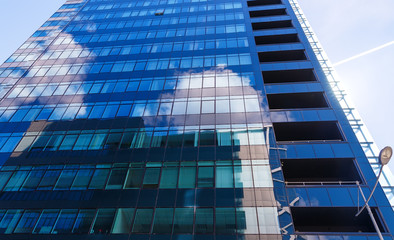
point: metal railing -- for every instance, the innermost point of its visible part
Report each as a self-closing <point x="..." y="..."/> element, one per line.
<point x="325" y="183"/>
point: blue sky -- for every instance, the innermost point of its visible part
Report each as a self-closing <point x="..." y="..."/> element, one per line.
<point x="344" y="28"/>
<point x="347" y="28"/>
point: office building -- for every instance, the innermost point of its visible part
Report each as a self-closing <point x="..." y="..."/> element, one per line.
<point x="181" y="120"/>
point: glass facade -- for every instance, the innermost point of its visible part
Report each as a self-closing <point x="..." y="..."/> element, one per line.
<point x="180" y="120"/>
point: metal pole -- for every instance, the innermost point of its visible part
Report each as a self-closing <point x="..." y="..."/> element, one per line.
<point x="373" y="190"/>
<point x="369" y="212"/>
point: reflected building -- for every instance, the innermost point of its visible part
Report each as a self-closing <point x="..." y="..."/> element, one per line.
<point x="180" y="120"/>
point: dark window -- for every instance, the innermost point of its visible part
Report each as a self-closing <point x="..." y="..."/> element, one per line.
<point x="307" y="131"/>
<point x="265" y="13"/>
<point x="319" y="170"/>
<point x="142" y="221"/>
<point x="163" y="220"/>
<point x="116" y="178"/>
<point x="283" y="76"/>
<point x="103" y="222"/>
<point x="207" y="138"/>
<point x="297" y="100"/>
<point x="293" y="55"/>
<point x="275" y="39"/>
<point x="83" y="222"/>
<point x="331" y="219"/>
<point x="65" y="221"/>
<point x="262" y="3"/>
<point x="270" y="25"/>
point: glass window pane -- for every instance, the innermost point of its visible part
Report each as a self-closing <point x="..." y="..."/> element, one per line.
<point x="83" y="142"/>
<point x="204" y="220"/>
<point x="113" y="141"/>
<point x="19" y="115"/>
<point x="49" y="180"/>
<point x="99" y="179"/>
<point x="256" y="137"/>
<point x="169" y="177"/>
<point x="223" y="137"/>
<point x="134" y="178"/>
<point x="128" y="140"/>
<point x="243" y="176"/>
<point x="208" y="107"/>
<point x="123" y="219"/>
<point x="193" y="107"/>
<point x="103" y="221"/>
<point x="159" y="139"/>
<point x="183" y="221"/>
<point x="225" y="220"/>
<point x="187" y="177"/>
<point x="10" y="144"/>
<point x="163" y="220"/>
<point x="240" y="137"/>
<point x="44" y="114"/>
<point x="224" y="177"/>
<point x="65" y="180"/>
<point x="46" y="221"/>
<point x="32" y="114"/>
<point x="16" y="181"/>
<point x="97" y="142"/>
<point x="207" y="138"/>
<point x="143" y="140"/>
<point x="82" y="179"/>
<point x="110" y="111"/>
<point x="27" y="222"/>
<point x="252" y="104"/>
<point x="54" y="142"/>
<point x="179" y="108"/>
<point x="84" y="221"/>
<point x="2" y="213"/>
<point x="68" y="142"/>
<point x="84" y="112"/>
<point x="32" y="180"/>
<point x="190" y="139"/>
<point x="174" y="139"/>
<point x="40" y="143"/>
<point x="116" y="178"/>
<point x="142" y="221"/>
<point x="124" y="110"/>
<point x="268" y="220"/>
<point x="151" y="179"/>
<point x="65" y="221"/>
<point x="247" y="221"/>
<point x="97" y="111"/>
<point x="9" y="221"/>
<point x="237" y="105"/>
<point x="222" y="106"/>
<point x="262" y="176"/>
<point x="4" y="176"/>
<point x="205" y="177"/>
<point x="24" y="144"/>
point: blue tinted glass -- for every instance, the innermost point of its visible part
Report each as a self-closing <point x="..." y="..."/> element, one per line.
<point x="9" y="221"/>
<point x="124" y="111"/>
<point x="46" y="221"/>
<point x="65" y="221"/>
<point x="97" y="112"/>
<point x="27" y="221"/>
<point x="319" y="197"/>
<point x="10" y="144"/>
<point x="84" y="221"/>
<point x="340" y="197"/>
